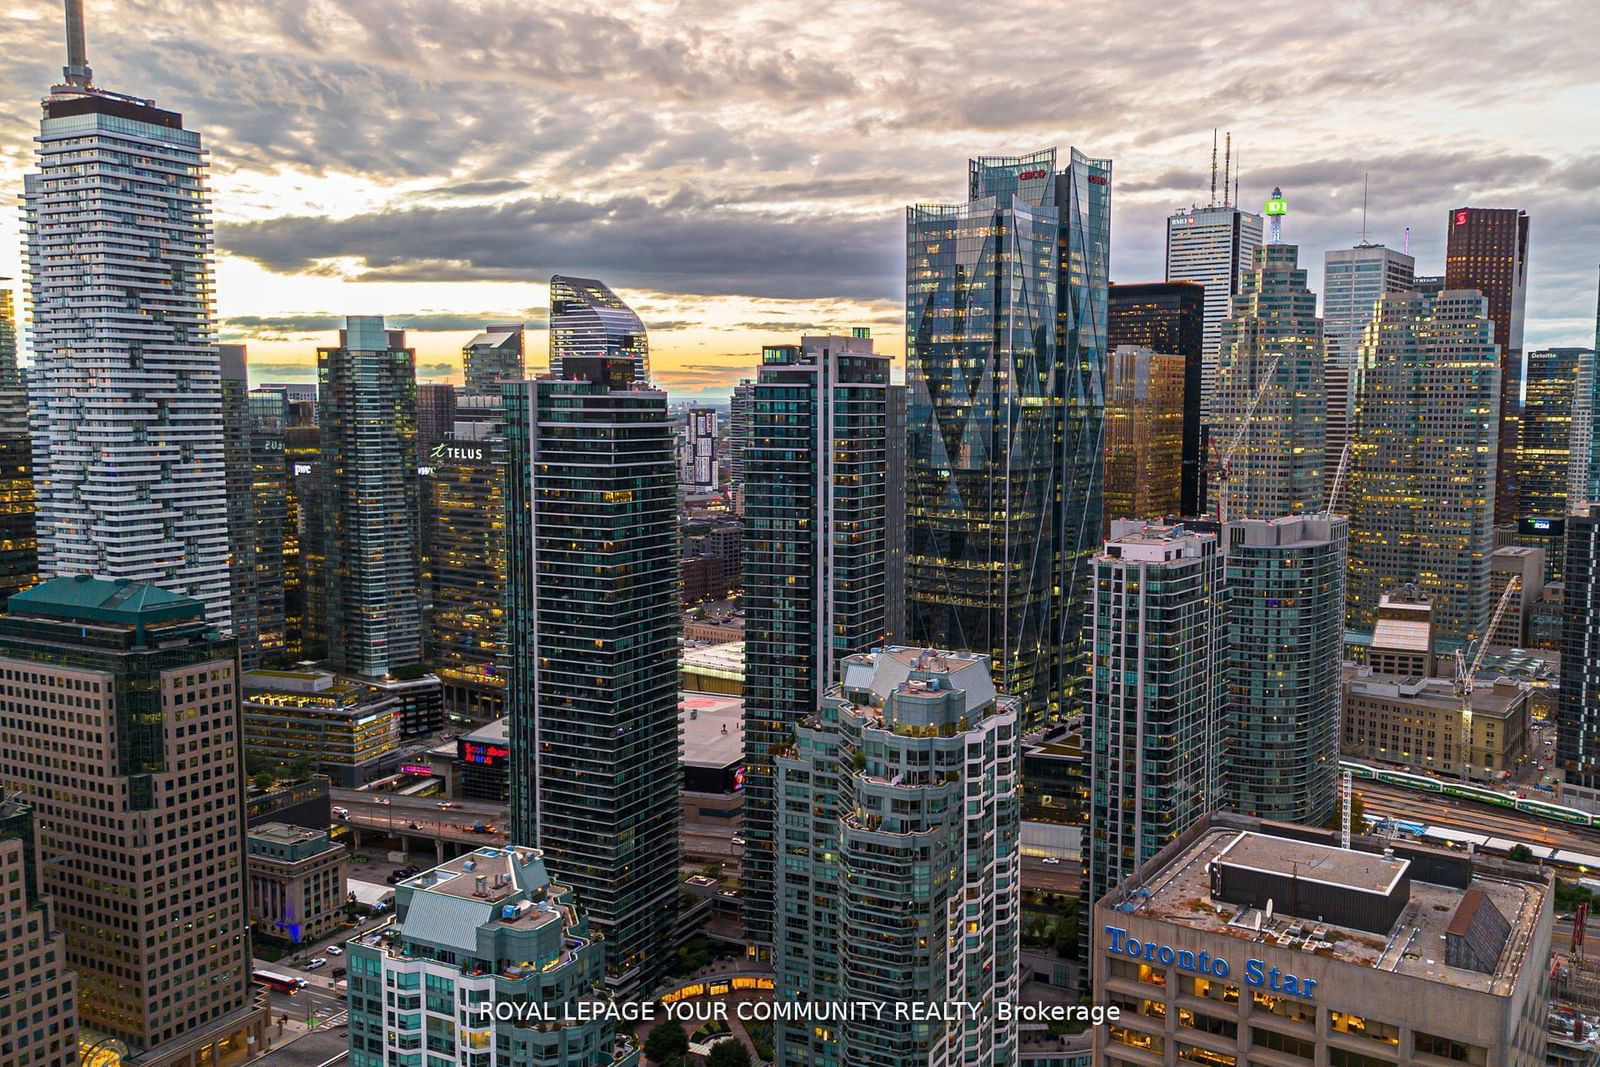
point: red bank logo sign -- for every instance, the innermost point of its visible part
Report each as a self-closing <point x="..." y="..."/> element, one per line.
<point x="1461" y="218"/>
<point x="1099" y="179"/>
<point x="1026" y="174"/>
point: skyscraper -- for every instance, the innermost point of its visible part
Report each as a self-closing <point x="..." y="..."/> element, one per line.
<point x="901" y="789"/>
<point x="1545" y="431"/>
<point x="589" y="320"/>
<point x="1156" y="695"/>
<point x="1005" y="338"/>
<point x="1583" y="480"/>
<point x="144" y="826"/>
<point x="739" y="408"/>
<point x="815" y="559"/>
<point x="1421" y="494"/>
<point x="279" y="593"/>
<point x="1487" y="250"/>
<point x="592" y="613"/>
<point x="1213" y="246"/>
<point x="1143" y="434"/>
<point x="1578" y="721"/>
<point x="493" y="356"/>
<point x="238" y="451"/>
<point x="41" y="1027"/>
<point x="19" y="557"/>
<point x="367" y="404"/>
<point x="465" y="547"/>
<point x="125" y="391"/>
<point x="1352" y="281"/>
<point x="436" y="416"/>
<point x="698" y="455"/>
<point x="1278" y="469"/>
<point x="1285" y="636"/>
<point x="894" y="582"/>
<point x="1169" y="318"/>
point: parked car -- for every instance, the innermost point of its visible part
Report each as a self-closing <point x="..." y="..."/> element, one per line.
<point x="335" y="950"/>
<point x="1050" y="860"/>
<point x="738" y="840"/>
<point x="316" y="961"/>
<point x="341" y="813"/>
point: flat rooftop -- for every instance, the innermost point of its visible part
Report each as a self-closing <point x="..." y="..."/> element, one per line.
<point x="284" y="834"/>
<point x="1366" y="871"/>
<point x="1180" y="895"/>
<point x="713" y="729"/>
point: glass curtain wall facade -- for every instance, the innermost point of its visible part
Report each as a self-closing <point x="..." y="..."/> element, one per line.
<point x="1278" y="468"/>
<point x="1285" y="635"/>
<point x="592" y="611"/>
<point x="1169" y="318"/>
<point x="815" y="557"/>
<point x="589" y="321"/>
<point x="276" y="514"/>
<point x="1005" y="330"/>
<point x="1143" y="435"/>
<point x="371" y="503"/>
<point x="1422" y="476"/>
<point x="493" y="356"/>
<point x="238" y="456"/>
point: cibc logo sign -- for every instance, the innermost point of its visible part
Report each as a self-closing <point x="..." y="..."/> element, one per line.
<point x="1027" y="174"/>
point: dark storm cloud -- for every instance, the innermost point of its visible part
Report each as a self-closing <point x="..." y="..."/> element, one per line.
<point x="627" y="241"/>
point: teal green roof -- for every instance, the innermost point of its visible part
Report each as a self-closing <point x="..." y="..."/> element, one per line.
<point x="84" y="599"/>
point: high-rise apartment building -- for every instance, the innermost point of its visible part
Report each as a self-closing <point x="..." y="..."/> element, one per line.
<point x="1583" y="480"/>
<point x="593" y="624"/>
<point x="901" y="791"/>
<point x="1005" y="341"/>
<point x="1214" y="247"/>
<point x="125" y="391"/>
<point x="39" y="1014"/>
<point x="1285" y="640"/>
<point x="740" y="404"/>
<point x="493" y="356"/>
<point x="894" y="582"/>
<point x="1578" y="721"/>
<point x="279" y="594"/>
<point x="238" y="453"/>
<point x="371" y="504"/>
<point x="1421" y="492"/>
<point x="1157" y="696"/>
<point x="1487" y="250"/>
<point x="465" y="564"/>
<point x="1143" y="435"/>
<point x="19" y="558"/>
<point x="472" y="938"/>
<point x="815" y="560"/>
<point x="305" y="608"/>
<point x="144" y="826"/>
<point x="697" y="457"/>
<point x="588" y="320"/>
<point x="1169" y="318"/>
<point x="1278" y="467"/>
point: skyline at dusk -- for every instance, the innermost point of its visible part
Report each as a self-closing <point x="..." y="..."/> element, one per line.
<point x="744" y="175"/>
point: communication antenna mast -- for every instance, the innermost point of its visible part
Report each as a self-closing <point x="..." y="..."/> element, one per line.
<point x="76" y="72"/>
<point x="1363" y="209"/>
<point x="1227" y="167"/>
<point x="1213" y="201"/>
<point x="1408" y="240"/>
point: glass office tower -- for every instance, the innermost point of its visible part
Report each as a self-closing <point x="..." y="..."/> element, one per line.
<point x="588" y="320"/>
<point x="1005" y="344"/>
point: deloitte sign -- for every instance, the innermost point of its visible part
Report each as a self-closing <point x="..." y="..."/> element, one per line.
<point x="1257" y="974"/>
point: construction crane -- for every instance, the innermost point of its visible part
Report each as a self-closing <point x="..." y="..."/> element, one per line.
<point x="1338" y="480"/>
<point x="1465" y="674"/>
<point x="1222" y="465"/>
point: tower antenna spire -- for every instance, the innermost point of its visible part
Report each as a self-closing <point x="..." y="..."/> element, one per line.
<point x="76" y="72"/>
<point x="1213" y="167"/>
<point x="1363" y="207"/>
<point x="1227" y="167"/>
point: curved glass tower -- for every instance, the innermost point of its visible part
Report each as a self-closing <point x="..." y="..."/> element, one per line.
<point x="588" y="320"/>
<point x="1005" y="346"/>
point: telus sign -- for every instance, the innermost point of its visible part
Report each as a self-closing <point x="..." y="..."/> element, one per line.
<point x="1257" y="974"/>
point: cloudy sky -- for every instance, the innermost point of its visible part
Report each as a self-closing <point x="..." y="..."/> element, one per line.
<point x="739" y="171"/>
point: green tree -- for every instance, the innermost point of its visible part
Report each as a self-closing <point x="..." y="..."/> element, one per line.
<point x="667" y="1043"/>
<point x="1520" y="853"/>
<point x="301" y="768"/>
<point x="263" y="781"/>
<point x="729" y="1053"/>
